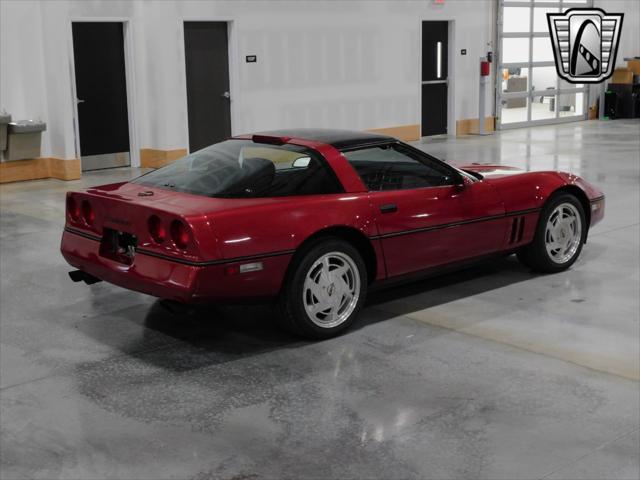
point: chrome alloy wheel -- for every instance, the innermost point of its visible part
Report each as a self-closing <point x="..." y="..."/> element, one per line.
<point x="331" y="289"/>
<point x="563" y="233"/>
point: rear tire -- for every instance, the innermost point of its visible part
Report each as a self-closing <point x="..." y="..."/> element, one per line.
<point x="324" y="291"/>
<point x="559" y="237"/>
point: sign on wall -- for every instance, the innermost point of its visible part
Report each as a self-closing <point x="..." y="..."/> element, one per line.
<point x="585" y="43"/>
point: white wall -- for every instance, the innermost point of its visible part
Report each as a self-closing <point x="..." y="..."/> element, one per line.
<point x="349" y="64"/>
<point x="22" y="68"/>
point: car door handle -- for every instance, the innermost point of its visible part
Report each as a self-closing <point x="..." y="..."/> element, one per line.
<point x="388" y="208"/>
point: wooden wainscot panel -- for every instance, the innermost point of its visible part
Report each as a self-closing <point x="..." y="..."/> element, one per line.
<point x="20" y="170"/>
<point x="39" y="168"/>
<point x="173" y="155"/>
<point x="65" y="169"/>
<point x="154" y="158"/>
<point x="470" y="125"/>
<point x="407" y="133"/>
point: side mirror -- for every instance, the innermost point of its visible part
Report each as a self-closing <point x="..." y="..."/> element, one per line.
<point x="456" y="180"/>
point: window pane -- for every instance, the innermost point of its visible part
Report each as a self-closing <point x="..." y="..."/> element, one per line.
<point x="565" y="84"/>
<point x="515" y="80"/>
<point x="242" y="168"/>
<point x="514" y="110"/>
<point x="515" y="50"/>
<point x="516" y="84"/>
<point x="516" y="19"/>
<point x="540" y="18"/>
<point x="571" y="104"/>
<point x="543" y="78"/>
<point x="543" y="107"/>
<point x="542" y="50"/>
<point x="390" y="168"/>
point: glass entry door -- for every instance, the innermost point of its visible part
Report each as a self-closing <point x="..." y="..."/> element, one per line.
<point x="529" y="91"/>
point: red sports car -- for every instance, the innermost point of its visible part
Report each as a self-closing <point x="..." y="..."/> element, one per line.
<point x="312" y="219"/>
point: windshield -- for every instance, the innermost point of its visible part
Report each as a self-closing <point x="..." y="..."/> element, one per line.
<point x="242" y="168"/>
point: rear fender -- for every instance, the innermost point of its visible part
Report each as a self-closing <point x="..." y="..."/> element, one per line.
<point x="281" y="225"/>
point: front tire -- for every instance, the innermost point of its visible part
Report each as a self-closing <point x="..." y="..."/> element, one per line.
<point x="324" y="291"/>
<point x="559" y="237"/>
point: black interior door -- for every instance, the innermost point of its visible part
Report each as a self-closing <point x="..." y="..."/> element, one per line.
<point x="207" y="66"/>
<point x="101" y="89"/>
<point x="435" y="60"/>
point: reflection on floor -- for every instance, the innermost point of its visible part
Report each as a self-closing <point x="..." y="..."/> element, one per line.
<point x="492" y="372"/>
<point x="541" y="111"/>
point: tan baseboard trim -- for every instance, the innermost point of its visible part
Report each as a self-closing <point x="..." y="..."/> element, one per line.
<point x="65" y="169"/>
<point x="470" y="125"/>
<point x="39" y="168"/>
<point x="153" y="158"/>
<point x="19" y="170"/>
<point x="407" y="133"/>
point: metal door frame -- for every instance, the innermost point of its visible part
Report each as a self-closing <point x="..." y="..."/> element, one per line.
<point x="129" y="71"/>
<point x="530" y="64"/>
<point x="232" y="47"/>
<point x="451" y="84"/>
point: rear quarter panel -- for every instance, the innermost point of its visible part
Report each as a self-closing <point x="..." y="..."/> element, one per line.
<point x="282" y="224"/>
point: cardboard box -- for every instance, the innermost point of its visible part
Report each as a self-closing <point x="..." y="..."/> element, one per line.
<point x="633" y="64"/>
<point x="622" y="75"/>
<point x="593" y="112"/>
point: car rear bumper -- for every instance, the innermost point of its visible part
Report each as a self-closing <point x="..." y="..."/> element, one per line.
<point x="172" y="280"/>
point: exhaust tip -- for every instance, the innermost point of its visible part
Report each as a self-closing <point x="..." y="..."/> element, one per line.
<point x="80" y="276"/>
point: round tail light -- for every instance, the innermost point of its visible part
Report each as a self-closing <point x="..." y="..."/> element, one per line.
<point x="88" y="213"/>
<point x="180" y="234"/>
<point x="156" y="229"/>
<point x="73" y="209"/>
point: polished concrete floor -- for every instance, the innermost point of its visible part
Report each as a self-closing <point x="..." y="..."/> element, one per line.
<point x="493" y="372"/>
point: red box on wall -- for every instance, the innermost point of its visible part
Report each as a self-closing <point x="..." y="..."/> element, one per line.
<point x="485" y="68"/>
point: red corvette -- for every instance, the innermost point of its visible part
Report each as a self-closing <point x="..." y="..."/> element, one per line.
<point x="312" y="219"/>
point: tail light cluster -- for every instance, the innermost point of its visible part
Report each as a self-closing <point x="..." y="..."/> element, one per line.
<point x="88" y="215"/>
<point x="80" y="212"/>
<point x="156" y="229"/>
<point x="73" y="209"/>
<point x="178" y="232"/>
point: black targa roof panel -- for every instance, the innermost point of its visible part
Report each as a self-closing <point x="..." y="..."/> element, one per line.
<point x="340" y="139"/>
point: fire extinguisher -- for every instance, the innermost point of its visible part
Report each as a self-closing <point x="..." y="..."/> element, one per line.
<point x="485" y="68"/>
<point x="485" y="65"/>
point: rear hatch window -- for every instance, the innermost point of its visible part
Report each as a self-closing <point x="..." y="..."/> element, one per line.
<point x="244" y="169"/>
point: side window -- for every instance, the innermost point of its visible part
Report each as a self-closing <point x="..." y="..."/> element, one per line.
<point x="301" y="174"/>
<point x="391" y="167"/>
<point x="244" y="169"/>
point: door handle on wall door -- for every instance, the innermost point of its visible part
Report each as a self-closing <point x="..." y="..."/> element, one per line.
<point x="79" y="101"/>
<point x="226" y="95"/>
